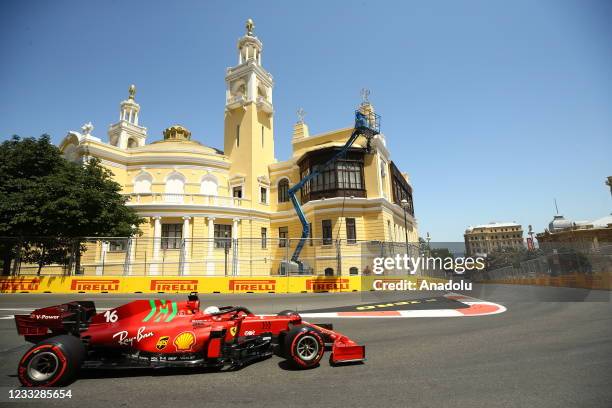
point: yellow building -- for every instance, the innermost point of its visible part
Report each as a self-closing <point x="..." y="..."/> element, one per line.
<point x="481" y="240"/>
<point x="213" y="212"/>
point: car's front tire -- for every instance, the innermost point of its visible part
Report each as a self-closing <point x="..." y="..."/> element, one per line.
<point x="304" y="347"/>
<point x="53" y="362"/>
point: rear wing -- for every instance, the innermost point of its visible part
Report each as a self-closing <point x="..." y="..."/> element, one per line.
<point x="72" y="317"/>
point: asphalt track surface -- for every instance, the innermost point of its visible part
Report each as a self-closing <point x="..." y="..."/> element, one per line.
<point x="552" y="347"/>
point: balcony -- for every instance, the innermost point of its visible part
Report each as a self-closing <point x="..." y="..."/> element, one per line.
<point x="264" y="105"/>
<point x="235" y="101"/>
<point x="185" y="199"/>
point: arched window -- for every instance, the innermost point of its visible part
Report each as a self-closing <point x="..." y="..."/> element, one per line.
<point x="353" y="271"/>
<point x="209" y="185"/>
<point x="175" y="188"/>
<point x="132" y="143"/>
<point x="283" y="191"/>
<point x="329" y="271"/>
<point x="142" y="183"/>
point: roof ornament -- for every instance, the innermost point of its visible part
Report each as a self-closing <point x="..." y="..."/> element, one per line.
<point x="87" y="128"/>
<point x="250" y="26"/>
<point x="300" y="114"/>
<point x="132" y="91"/>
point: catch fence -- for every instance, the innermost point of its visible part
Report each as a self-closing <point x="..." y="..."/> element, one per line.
<point x="175" y="256"/>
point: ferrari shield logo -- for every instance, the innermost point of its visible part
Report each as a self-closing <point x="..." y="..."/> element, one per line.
<point x="162" y="342"/>
<point x="233" y="331"/>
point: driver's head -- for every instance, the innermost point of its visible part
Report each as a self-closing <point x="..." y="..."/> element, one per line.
<point x="211" y="310"/>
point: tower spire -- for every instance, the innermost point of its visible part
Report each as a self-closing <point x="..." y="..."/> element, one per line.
<point x="127" y="133"/>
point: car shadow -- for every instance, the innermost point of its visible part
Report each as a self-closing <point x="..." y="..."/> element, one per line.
<point x="99" y="373"/>
<point x="287" y="366"/>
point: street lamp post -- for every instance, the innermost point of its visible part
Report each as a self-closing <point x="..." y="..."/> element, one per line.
<point x="609" y="183"/>
<point x="404" y="205"/>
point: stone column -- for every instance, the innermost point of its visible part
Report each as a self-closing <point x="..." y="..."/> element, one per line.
<point x="187" y="246"/>
<point x="210" y="263"/>
<point x="252" y="88"/>
<point x="235" y="248"/>
<point x="154" y="269"/>
<point x="130" y="255"/>
<point x="103" y="251"/>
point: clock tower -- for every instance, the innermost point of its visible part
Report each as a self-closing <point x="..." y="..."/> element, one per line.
<point x="249" y="130"/>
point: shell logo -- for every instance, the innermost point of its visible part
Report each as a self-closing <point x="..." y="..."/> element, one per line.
<point x="184" y="341"/>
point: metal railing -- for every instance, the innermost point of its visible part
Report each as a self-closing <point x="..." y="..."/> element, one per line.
<point x="196" y="199"/>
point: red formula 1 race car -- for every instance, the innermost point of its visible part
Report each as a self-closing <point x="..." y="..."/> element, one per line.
<point x="160" y="333"/>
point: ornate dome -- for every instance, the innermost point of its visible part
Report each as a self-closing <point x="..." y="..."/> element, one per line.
<point x="558" y="223"/>
<point x="177" y="132"/>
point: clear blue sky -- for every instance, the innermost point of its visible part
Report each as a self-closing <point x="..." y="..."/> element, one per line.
<point x="494" y="108"/>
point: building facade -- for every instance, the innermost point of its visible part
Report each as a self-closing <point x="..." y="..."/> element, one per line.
<point x="204" y="205"/>
<point x="580" y="235"/>
<point x="481" y="240"/>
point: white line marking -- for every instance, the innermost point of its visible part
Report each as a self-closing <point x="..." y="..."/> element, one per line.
<point x="380" y="313"/>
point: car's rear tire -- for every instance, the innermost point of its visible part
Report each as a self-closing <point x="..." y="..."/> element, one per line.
<point x="304" y="347"/>
<point x="53" y="362"/>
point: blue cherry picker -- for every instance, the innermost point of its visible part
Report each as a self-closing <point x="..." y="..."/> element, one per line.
<point x="367" y="124"/>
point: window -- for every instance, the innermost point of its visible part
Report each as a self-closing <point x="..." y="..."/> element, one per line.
<point x="283" y="234"/>
<point x="264" y="238"/>
<point x="117" y="245"/>
<point x="349" y="175"/>
<point x="172" y="235"/>
<point x="264" y="195"/>
<point x="237" y="135"/>
<point x="327" y="232"/>
<point x="142" y="183"/>
<point x="209" y="186"/>
<point x="223" y="235"/>
<point x="237" y="192"/>
<point x="344" y="177"/>
<point x="283" y="191"/>
<point x="351" y="231"/>
<point x="329" y="271"/>
<point x="353" y="271"/>
<point x="175" y="188"/>
<point x="401" y="189"/>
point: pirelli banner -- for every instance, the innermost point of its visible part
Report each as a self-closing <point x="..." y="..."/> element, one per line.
<point x="201" y="284"/>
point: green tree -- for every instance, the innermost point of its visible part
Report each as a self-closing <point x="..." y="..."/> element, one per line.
<point x="501" y="257"/>
<point x="47" y="202"/>
<point x="441" y="253"/>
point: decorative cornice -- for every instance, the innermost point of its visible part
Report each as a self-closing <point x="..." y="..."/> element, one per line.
<point x="247" y="67"/>
<point x="119" y="156"/>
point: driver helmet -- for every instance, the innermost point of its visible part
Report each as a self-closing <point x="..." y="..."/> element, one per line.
<point x="211" y="310"/>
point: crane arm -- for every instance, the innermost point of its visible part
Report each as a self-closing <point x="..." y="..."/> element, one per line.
<point x="367" y="125"/>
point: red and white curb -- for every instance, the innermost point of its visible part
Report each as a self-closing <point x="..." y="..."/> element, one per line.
<point x="477" y="307"/>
